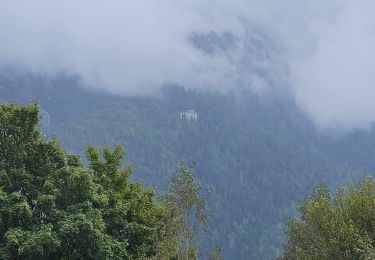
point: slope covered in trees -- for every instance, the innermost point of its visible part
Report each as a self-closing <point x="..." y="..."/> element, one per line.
<point x="54" y="207"/>
<point x="259" y="154"/>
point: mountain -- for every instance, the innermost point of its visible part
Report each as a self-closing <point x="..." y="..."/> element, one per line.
<point x="257" y="153"/>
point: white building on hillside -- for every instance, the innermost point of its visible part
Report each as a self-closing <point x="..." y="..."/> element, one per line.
<point x="189" y="115"/>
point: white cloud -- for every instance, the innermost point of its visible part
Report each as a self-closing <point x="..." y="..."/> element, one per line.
<point x="134" y="46"/>
<point x="124" y="46"/>
<point x="335" y="84"/>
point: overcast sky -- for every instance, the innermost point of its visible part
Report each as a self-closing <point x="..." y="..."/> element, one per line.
<point x="325" y="50"/>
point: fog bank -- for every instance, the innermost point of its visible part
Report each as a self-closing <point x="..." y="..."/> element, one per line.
<point x="324" y="51"/>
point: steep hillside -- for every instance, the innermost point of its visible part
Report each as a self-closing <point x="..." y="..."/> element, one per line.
<point x="258" y="154"/>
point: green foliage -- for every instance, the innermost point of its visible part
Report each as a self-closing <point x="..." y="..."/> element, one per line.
<point x="186" y="215"/>
<point x="53" y="207"/>
<point x="215" y="254"/>
<point x="334" y="226"/>
<point x="258" y="154"/>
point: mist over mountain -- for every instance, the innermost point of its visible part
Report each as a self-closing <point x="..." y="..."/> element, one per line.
<point x="282" y="91"/>
<point x="322" y="51"/>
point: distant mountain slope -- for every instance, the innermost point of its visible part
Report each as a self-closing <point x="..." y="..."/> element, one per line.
<point x="259" y="155"/>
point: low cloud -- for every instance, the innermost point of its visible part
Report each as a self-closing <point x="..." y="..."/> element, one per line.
<point x="324" y="50"/>
<point x="335" y="83"/>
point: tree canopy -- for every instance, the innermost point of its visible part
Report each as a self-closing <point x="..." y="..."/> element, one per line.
<point x="251" y="149"/>
<point x="338" y="225"/>
<point x="186" y="215"/>
<point x="54" y="207"/>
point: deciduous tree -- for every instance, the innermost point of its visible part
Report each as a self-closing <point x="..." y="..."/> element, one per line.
<point x="53" y="207"/>
<point x="338" y="225"/>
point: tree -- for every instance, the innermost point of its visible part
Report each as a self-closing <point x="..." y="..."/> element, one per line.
<point x="187" y="214"/>
<point x="53" y="207"/>
<point x="337" y="225"/>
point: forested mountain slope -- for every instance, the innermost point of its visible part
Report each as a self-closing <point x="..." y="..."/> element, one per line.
<point x="258" y="153"/>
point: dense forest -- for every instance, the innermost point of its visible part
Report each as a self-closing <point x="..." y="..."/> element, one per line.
<point x="258" y="153"/>
<point x="54" y="207"/>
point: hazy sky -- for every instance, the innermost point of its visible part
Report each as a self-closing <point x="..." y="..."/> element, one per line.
<point x="325" y="50"/>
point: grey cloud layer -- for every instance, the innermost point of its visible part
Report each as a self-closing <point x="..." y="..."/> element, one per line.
<point x="134" y="46"/>
<point x="336" y="83"/>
